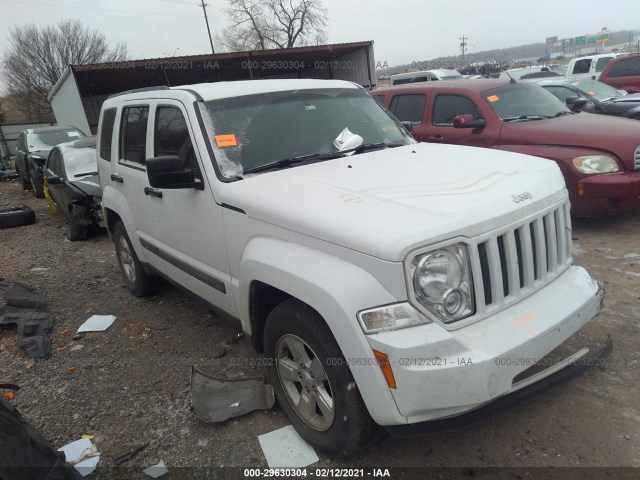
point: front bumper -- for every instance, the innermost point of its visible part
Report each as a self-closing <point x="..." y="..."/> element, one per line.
<point x="608" y="193"/>
<point x="523" y="391"/>
<point x="441" y="373"/>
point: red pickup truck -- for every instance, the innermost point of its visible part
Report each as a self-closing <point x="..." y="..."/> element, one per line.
<point x="623" y="73"/>
<point x="599" y="156"/>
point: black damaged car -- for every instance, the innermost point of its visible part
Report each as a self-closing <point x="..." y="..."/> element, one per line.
<point x="72" y="186"/>
<point x="32" y="148"/>
<point x="593" y="96"/>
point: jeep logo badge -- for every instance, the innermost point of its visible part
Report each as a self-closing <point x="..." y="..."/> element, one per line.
<point x="521" y="197"/>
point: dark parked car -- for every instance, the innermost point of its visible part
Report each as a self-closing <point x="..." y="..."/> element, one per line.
<point x="594" y="97"/>
<point x="33" y="147"/>
<point x="623" y="73"/>
<point x="72" y="185"/>
<point x="599" y="156"/>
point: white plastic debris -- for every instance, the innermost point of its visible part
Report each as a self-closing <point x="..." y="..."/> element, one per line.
<point x="234" y="405"/>
<point x="82" y="454"/>
<point x="156" y="470"/>
<point x="284" y="448"/>
<point x="97" y="323"/>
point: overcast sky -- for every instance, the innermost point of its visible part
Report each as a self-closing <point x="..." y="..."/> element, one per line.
<point x="403" y="31"/>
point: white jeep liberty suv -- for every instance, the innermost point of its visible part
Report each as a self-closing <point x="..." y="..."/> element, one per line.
<point x="392" y="284"/>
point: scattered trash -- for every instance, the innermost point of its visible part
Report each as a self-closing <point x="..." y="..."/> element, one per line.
<point x="27" y="310"/>
<point x="29" y="363"/>
<point x="71" y="369"/>
<point x="75" y="348"/>
<point x="126" y="454"/>
<point x="9" y="395"/>
<point x="97" y="323"/>
<point x="82" y="454"/>
<point x="39" y="269"/>
<point x="216" y="399"/>
<point x="64" y="332"/>
<point x="284" y="448"/>
<point x="156" y="470"/>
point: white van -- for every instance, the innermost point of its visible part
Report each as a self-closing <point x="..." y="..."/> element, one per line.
<point x="425" y="76"/>
<point x="589" y="67"/>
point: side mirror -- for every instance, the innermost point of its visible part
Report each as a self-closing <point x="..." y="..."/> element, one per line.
<point x="467" y="121"/>
<point x="408" y="126"/>
<point x="576" y="103"/>
<point x="168" y="172"/>
<point x="54" y="180"/>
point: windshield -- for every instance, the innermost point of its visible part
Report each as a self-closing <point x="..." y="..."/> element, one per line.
<point x="46" y="140"/>
<point x="256" y="130"/>
<point x="79" y="161"/>
<point x="524" y="102"/>
<point x="600" y="90"/>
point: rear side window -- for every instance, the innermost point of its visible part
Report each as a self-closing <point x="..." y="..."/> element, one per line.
<point x="582" y="66"/>
<point x="626" y="66"/>
<point x="134" y="134"/>
<point x="447" y="107"/>
<point x="171" y="137"/>
<point x="408" y="108"/>
<point x="106" y="133"/>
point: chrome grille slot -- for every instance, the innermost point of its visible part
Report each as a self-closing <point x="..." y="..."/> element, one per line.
<point x="519" y="261"/>
<point x="636" y="159"/>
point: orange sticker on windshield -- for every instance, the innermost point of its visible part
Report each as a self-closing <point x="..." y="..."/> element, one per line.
<point x="493" y="98"/>
<point x="226" y="141"/>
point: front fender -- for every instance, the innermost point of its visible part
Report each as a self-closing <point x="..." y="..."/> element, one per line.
<point x="337" y="290"/>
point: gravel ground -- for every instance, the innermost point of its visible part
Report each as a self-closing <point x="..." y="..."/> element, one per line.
<point x="129" y="385"/>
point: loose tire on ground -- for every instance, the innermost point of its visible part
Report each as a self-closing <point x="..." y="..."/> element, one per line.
<point x="137" y="280"/>
<point x="306" y="370"/>
<point x="16" y="216"/>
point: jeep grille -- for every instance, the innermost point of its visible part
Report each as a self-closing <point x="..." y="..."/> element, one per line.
<point x="514" y="263"/>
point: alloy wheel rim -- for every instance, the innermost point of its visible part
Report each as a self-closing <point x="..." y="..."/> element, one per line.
<point x="305" y="382"/>
<point x="126" y="260"/>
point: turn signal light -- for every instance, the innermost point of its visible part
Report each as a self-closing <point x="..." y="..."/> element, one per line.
<point x="385" y="366"/>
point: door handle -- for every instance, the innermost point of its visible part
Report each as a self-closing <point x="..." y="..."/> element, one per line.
<point x="152" y="192"/>
<point x="436" y="138"/>
<point x="117" y="178"/>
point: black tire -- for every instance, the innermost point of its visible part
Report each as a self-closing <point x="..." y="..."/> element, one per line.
<point x="16" y="217"/>
<point x="26" y="184"/>
<point x="344" y="425"/>
<point x="78" y="223"/>
<point x="137" y="280"/>
<point x="37" y="187"/>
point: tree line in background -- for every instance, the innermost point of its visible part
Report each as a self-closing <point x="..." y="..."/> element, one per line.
<point x="37" y="56"/>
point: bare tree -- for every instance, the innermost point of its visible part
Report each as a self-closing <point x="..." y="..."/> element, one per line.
<point x="264" y="24"/>
<point x="37" y="57"/>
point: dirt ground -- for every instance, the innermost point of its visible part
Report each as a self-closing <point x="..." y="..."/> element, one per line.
<point x="129" y="385"/>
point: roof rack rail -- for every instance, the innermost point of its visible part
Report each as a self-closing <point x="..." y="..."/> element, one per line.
<point x="136" y="90"/>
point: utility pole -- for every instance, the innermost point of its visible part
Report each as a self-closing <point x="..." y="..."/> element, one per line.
<point x="463" y="45"/>
<point x="204" y="9"/>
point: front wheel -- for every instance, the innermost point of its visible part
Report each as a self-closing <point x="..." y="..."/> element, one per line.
<point x="137" y="280"/>
<point x="37" y="186"/>
<point x="313" y="383"/>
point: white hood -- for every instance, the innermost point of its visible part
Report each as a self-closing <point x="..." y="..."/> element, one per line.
<point x="387" y="202"/>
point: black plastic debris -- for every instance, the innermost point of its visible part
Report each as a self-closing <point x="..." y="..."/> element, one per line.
<point x="27" y="310"/>
<point x="26" y="454"/>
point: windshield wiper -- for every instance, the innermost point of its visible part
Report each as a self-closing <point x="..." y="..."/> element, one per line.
<point x="285" y="162"/>
<point x="563" y="112"/>
<point x="85" y="174"/>
<point x="524" y="118"/>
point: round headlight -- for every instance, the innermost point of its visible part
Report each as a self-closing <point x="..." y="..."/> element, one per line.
<point x="442" y="282"/>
